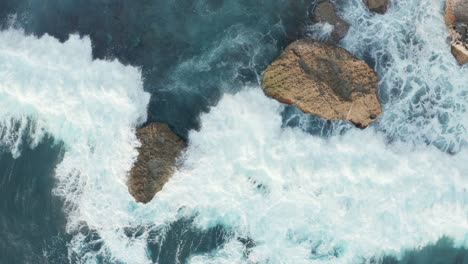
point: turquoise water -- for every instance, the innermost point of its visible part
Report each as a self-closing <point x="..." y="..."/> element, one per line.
<point x="185" y="33"/>
<point x="181" y="46"/>
<point x="261" y="182"/>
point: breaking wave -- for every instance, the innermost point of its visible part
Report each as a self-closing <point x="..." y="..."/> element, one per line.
<point x="294" y="197"/>
<point x="92" y="106"/>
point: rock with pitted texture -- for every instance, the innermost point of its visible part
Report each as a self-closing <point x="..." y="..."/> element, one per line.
<point x="456" y="11"/>
<point x="157" y="158"/>
<point x="377" y="6"/>
<point x="325" y="80"/>
<point x="456" y="19"/>
<point x="460" y="52"/>
<point x="325" y="12"/>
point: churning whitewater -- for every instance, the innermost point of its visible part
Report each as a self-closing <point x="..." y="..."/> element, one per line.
<point x="300" y="198"/>
<point x="92" y="106"/>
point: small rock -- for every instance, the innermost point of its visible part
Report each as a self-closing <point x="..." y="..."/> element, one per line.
<point x="325" y="12"/>
<point x="377" y="6"/>
<point x="456" y="19"/>
<point x="325" y="80"/>
<point x="460" y="52"/>
<point x="156" y="161"/>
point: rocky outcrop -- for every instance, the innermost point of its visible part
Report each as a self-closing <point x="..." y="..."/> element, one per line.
<point x="456" y="11"/>
<point x="377" y="6"/>
<point x="456" y="19"/>
<point x="325" y="80"/>
<point x="460" y="52"/>
<point x="325" y="12"/>
<point x="156" y="161"/>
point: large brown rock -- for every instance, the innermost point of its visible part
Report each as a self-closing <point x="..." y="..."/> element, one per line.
<point x="156" y="161"/>
<point x="456" y="11"/>
<point x="456" y="19"/>
<point x="325" y="12"/>
<point x="325" y="80"/>
<point x="377" y="6"/>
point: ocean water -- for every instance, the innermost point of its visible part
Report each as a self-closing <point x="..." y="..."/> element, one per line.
<point x="189" y="52"/>
<point x="31" y="218"/>
<point x="260" y="182"/>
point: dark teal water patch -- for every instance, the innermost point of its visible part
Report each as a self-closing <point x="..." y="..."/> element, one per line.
<point x="190" y="51"/>
<point x="174" y="243"/>
<point x="442" y="252"/>
<point x="6" y="8"/>
<point x="31" y="217"/>
<point x="181" y="239"/>
<point x="92" y="244"/>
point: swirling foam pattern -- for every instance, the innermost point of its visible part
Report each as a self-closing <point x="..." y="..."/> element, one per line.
<point x="299" y="198"/>
<point x="92" y="106"/>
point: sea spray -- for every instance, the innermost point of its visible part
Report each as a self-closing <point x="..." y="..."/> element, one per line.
<point x="304" y="199"/>
<point x="190" y="52"/>
<point x="423" y="89"/>
<point x="92" y="106"/>
<point x="299" y="198"/>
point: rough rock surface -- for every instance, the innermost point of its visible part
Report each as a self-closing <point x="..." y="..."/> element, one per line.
<point x="456" y="19"/>
<point x="325" y="80"/>
<point x="377" y="6"/>
<point x="325" y="12"/>
<point x="456" y="11"/>
<point x="156" y="161"/>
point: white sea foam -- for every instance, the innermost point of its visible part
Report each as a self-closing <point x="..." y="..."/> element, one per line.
<point x="320" y="31"/>
<point x="92" y="106"/>
<point x="300" y="198"/>
<point x="423" y="88"/>
<point x="344" y="199"/>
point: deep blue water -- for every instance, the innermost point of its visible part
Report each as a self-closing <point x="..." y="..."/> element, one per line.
<point x="173" y="42"/>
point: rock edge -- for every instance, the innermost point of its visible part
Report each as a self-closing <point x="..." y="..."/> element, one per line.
<point x="156" y="162"/>
<point x="325" y="80"/>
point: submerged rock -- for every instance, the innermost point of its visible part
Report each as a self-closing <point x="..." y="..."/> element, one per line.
<point x="377" y="6"/>
<point x="456" y="19"/>
<point x="156" y="161"/>
<point x="325" y="80"/>
<point x="325" y="12"/>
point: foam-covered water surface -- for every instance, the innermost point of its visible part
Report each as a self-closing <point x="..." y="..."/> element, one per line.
<point x="190" y="52"/>
<point x="304" y="199"/>
<point x="259" y="182"/>
<point x="422" y="86"/>
<point x="92" y="106"/>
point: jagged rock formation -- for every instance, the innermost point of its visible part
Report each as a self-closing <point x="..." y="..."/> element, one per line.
<point x="456" y="19"/>
<point x="325" y="12"/>
<point x="156" y="161"/>
<point x="377" y="6"/>
<point x="325" y="80"/>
